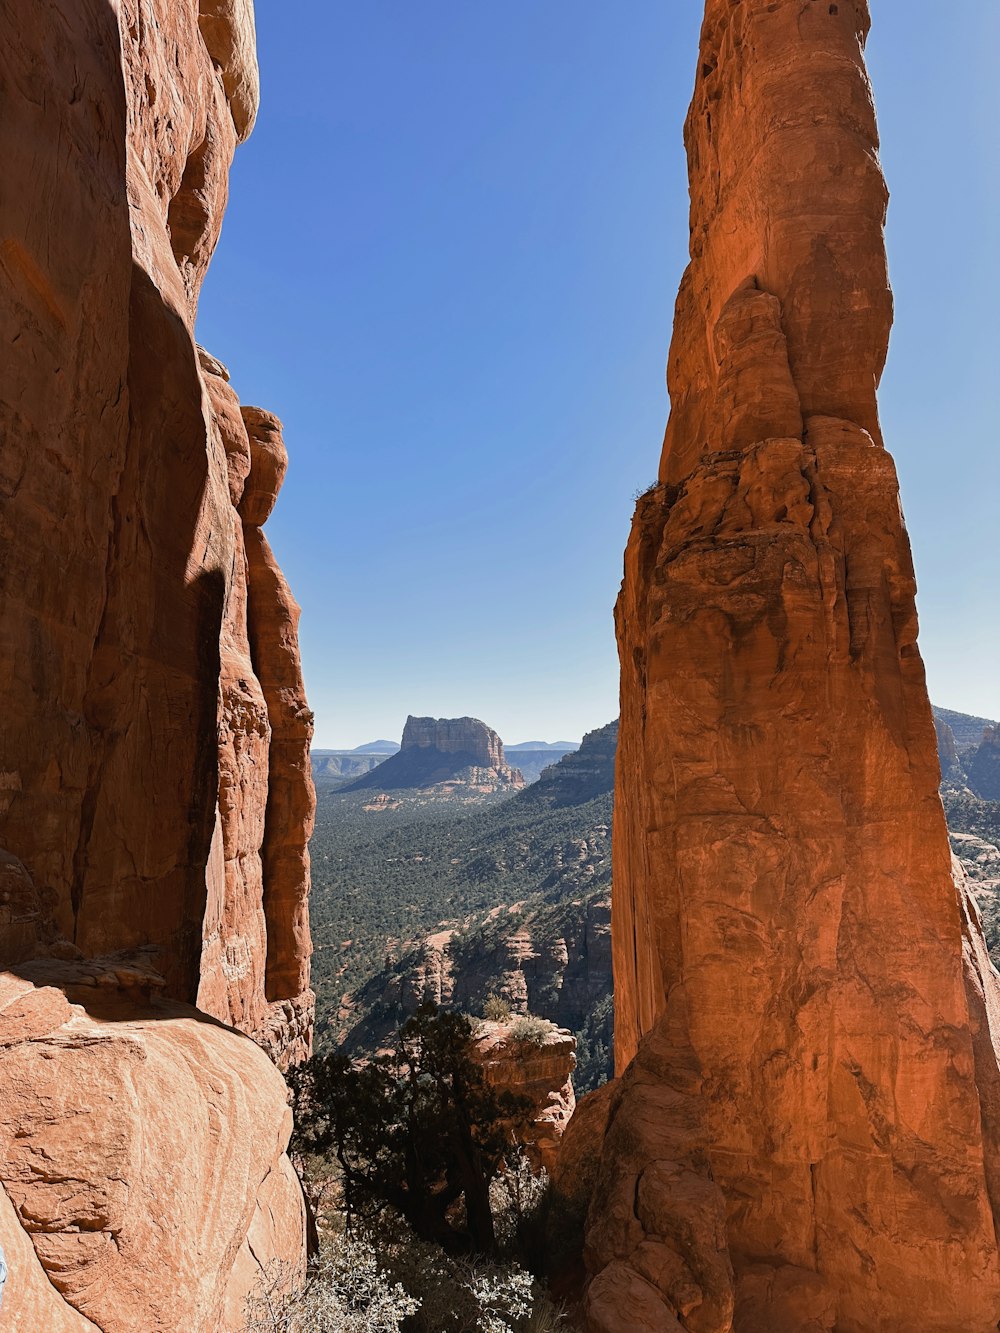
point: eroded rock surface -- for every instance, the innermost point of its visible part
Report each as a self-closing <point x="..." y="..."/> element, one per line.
<point x="144" y="1157"/>
<point x="803" y="1135"/>
<point x="152" y="725"/>
<point x="540" y="1070"/>
<point x="455" y="735"/>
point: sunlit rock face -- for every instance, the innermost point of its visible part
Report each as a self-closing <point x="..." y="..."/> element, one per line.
<point x="154" y="784"/>
<point x="803" y="1135"/>
<point x="540" y="1072"/>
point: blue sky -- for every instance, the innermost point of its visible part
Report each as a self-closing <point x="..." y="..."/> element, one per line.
<point x="449" y="264"/>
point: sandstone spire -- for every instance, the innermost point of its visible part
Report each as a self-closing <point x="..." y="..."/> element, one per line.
<point x="804" y="1132"/>
<point x="155" y="795"/>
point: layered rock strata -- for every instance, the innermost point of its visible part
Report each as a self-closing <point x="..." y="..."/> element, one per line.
<point x="154" y="785"/>
<point x="539" y="1070"/>
<point x="458" y="755"/>
<point x="455" y="735"/>
<point x="804" y="1135"/>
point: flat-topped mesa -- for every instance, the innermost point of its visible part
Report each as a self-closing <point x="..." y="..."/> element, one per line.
<point x="154" y="779"/>
<point x="457" y="756"/>
<point x="804" y="1133"/>
<point x="455" y="735"/>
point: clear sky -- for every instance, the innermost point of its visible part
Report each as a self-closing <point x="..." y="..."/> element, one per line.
<point x="449" y="264"/>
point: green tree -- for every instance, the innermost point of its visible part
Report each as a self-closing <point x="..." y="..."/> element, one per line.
<point x="418" y="1130"/>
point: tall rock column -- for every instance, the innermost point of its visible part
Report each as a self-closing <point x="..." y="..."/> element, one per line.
<point x="143" y="1175"/>
<point x="803" y="1134"/>
<point x="272" y="621"/>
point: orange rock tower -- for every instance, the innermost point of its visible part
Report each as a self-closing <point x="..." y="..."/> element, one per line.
<point x="155" y="794"/>
<point x="804" y="1133"/>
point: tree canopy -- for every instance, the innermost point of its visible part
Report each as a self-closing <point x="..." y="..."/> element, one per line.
<point x="417" y="1129"/>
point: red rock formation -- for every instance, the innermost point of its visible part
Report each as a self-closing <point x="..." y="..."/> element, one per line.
<point x="152" y="698"/>
<point x="273" y="619"/>
<point x="255" y="956"/>
<point x="804" y="1135"/>
<point x="540" y="1071"/>
<point x="235" y="941"/>
<point x="145" y="1175"/>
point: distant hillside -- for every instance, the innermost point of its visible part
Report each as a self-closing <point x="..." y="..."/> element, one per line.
<point x="335" y="767"/>
<point x="580" y="775"/>
<point x="377" y="747"/>
<point x="532" y="762"/>
<point x="966" y="728"/>
<point x="385" y="878"/>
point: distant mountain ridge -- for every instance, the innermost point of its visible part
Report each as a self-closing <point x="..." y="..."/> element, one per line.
<point x="564" y="746"/>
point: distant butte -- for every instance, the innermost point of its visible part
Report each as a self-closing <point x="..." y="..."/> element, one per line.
<point x="459" y="754"/>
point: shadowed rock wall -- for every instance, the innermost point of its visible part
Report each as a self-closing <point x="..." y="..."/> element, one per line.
<point x="155" y="799"/>
<point x="804" y="1133"/>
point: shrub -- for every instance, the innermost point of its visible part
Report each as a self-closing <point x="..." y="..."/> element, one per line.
<point x="518" y="1197"/>
<point x="390" y="1282"/>
<point x="496" y="1009"/>
<point x="460" y="1293"/>
<point x="531" y="1029"/>
<point x="346" y="1291"/>
<point x="640" y="491"/>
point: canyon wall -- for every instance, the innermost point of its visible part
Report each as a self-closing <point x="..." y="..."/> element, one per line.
<point x="155" y="794"/>
<point x="804" y="1133"/>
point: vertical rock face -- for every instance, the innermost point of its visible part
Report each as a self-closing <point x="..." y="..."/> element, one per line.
<point x="256" y="945"/>
<point x="539" y="1070"/>
<point x="804" y="1133"/>
<point x="273" y="619"/>
<point x="154" y="785"/>
<point x="455" y="735"/>
<point x="984" y="766"/>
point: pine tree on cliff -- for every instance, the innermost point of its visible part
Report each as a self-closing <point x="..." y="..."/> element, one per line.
<point x="415" y="1130"/>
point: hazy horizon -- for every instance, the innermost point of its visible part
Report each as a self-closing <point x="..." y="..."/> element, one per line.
<point x="449" y="264"/>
